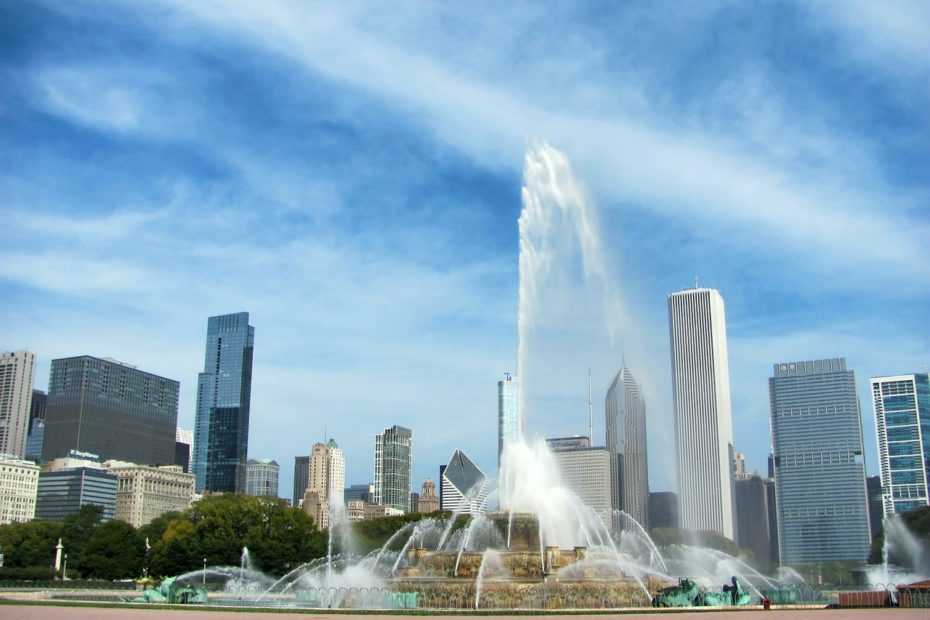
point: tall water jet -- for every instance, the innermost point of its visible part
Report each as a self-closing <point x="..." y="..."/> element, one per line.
<point x="553" y="202"/>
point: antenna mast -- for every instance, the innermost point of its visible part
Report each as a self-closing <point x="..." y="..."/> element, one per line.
<point x="590" y="411"/>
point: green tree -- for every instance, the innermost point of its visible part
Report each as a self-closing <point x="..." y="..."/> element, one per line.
<point x="78" y="527"/>
<point x="668" y="536"/>
<point x="30" y="544"/>
<point x="115" y="551"/>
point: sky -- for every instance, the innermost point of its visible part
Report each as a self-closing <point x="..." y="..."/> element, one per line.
<point x="350" y="174"/>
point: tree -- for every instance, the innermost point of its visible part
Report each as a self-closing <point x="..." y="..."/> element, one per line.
<point x="115" y="551"/>
<point x="78" y="527"/>
<point x="30" y="544"/>
<point x="668" y="536"/>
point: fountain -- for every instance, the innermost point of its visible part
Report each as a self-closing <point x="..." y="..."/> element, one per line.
<point x="543" y="548"/>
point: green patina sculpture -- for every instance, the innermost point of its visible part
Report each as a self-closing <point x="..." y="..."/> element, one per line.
<point x="687" y="594"/>
<point x="171" y="591"/>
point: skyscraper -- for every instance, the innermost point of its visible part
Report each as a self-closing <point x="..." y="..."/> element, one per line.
<point x="185" y="436"/>
<point x="752" y="518"/>
<point x="703" y="426"/>
<point x="819" y="471"/>
<point x="301" y="476"/>
<point x="902" y="423"/>
<point x="393" y="468"/>
<point x="262" y="477"/>
<point x="224" y="391"/>
<point x="464" y="486"/>
<point x="585" y="471"/>
<point x="325" y="482"/>
<point x="625" y="413"/>
<point x="111" y="409"/>
<point x="17" y="370"/>
<point x="508" y="413"/>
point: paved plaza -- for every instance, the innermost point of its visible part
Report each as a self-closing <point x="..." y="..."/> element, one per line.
<point x="36" y="612"/>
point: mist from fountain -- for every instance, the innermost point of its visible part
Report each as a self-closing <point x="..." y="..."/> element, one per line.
<point x="905" y="558"/>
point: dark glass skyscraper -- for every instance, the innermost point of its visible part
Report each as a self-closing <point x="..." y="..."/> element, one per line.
<point x="111" y="409"/>
<point x="224" y="388"/>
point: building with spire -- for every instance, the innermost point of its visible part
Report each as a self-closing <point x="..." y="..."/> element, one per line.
<point x="464" y="486"/>
<point x="625" y="412"/>
<point x="429" y="502"/>
<point x="703" y="424"/>
<point x="224" y="394"/>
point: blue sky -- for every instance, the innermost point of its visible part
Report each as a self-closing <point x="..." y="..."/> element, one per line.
<point x="350" y="174"/>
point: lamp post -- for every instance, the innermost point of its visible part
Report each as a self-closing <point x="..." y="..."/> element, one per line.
<point x="64" y="570"/>
<point x="205" y="571"/>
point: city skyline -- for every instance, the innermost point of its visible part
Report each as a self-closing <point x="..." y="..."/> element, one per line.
<point x="163" y="165"/>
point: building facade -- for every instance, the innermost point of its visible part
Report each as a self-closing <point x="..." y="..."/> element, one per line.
<point x="663" y="509"/>
<point x="902" y="424"/>
<point x="262" y="477"/>
<point x="393" y="468"/>
<point x="62" y="492"/>
<point x="301" y="477"/>
<point x="464" y="486"/>
<point x="144" y="493"/>
<point x="17" y="376"/>
<point x="224" y="393"/>
<point x="19" y="484"/>
<point x="585" y="471"/>
<point x="111" y="409"/>
<point x="703" y="424"/>
<point x="752" y="518"/>
<point x="509" y="424"/>
<point x="185" y="436"/>
<point x="820" y="489"/>
<point x="625" y="413"/>
<point x="326" y="481"/>
<point x="429" y="501"/>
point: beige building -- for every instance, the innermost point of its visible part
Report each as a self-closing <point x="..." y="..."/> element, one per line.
<point x="19" y="484"/>
<point x="143" y="493"/>
<point x="429" y="502"/>
<point x="17" y="370"/>
<point x="325" y="483"/>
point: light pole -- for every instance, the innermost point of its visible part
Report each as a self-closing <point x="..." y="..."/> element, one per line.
<point x="64" y="570"/>
<point x="205" y="571"/>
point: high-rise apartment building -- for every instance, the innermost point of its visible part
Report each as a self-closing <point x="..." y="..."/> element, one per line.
<point x="509" y="425"/>
<point x="110" y="409"/>
<point x="585" y="471"/>
<point x="224" y="392"/>
<point x="262" y="477"/>
<point x="326" y="481"/>
<point x="17" y="375"/>
<point x="902" y="423"/>
<point x="301" y="476"/>
<point x="393" y="468"/>
<point x="464" y="486"/>
<point x="19" y="483"/>
<point x="144" y="493"/>
<point x="823" y="512"/>
<point x="625" y="412"/>
<point x="703" y="425"/>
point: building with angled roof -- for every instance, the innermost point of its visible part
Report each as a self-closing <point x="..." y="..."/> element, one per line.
<point x="464" y="486"/>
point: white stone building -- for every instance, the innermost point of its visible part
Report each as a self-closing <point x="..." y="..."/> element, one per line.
<point x="19" y="483"/>
<point x="143" y="492"/>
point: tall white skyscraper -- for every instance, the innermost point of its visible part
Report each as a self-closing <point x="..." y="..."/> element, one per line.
<point x="17" y="374"/>
<point x="625" y="412"/>
<point x="703" y="424"/>
<point x="508" y="413"/>
<point x="902" y="420"/>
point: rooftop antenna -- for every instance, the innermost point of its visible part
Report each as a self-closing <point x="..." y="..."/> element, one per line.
<point x="590" y="411"/>
<point x="697" y="284"/>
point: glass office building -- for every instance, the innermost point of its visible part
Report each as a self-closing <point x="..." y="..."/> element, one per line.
<point x="111" y="409"/>
<point x="625" y="413"/>
<point x="63" y="492"/>
<point x="393" y="468"/>
<point x="224" y="389"/>
<point x="902" y="423"/>
<point x="823" y="512"/>
<point x="508" y="413"/>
